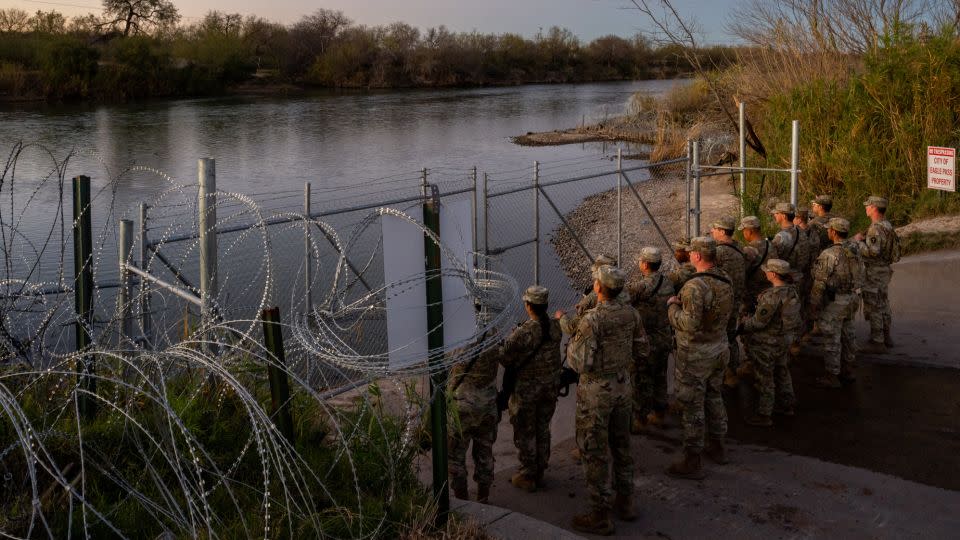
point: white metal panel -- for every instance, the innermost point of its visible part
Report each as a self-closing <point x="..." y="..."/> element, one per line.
<point x="456" y="234"/>
<point x="403" y="258"/>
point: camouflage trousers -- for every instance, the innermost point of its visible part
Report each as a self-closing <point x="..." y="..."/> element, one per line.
<point x="530" y="413"/>
<point x="770" y="364"/>
<point x="699" y="377"/>
<point x="876" y="302"/>
<point x="651" y="379"/>
<point x="477" y="426"/>
<point x="733" y="346"/>
<point x="604" y="406"/>
<point x="835" y="333"/>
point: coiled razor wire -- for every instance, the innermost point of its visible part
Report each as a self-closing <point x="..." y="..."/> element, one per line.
<point x="152" y="462"/>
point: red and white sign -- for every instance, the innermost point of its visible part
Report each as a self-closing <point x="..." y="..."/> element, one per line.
<point x="941" y="168"/>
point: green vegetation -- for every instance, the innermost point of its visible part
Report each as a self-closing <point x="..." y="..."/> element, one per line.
<point x="45" y="56"/>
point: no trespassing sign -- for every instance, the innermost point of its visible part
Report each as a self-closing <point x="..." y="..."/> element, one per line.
<point x="941" y="168"/>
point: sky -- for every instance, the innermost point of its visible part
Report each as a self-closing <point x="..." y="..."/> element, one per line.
<point x="587" y="19"/>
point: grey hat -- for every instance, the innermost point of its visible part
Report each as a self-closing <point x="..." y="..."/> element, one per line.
<point x="749" y="222"/>
<point x="601" y="260"/>
<point x="536" y="294"/>
<point x="877" y="201"/>
<point x="681" y="245"/>
<point x="839" y="224"/>
<point x="726" y="222"/>
<point x="823" y="200"/>
<point x="783" y="208"/>
<point x="651" y="255"/>
<point x="611" y="277"/>
<point x="803" y="210"/>
<point x="703" y="244"/>
<point x="777" y="266"/>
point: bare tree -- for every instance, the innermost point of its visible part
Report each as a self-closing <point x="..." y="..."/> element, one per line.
<point x="14" y="20"/>
<point x="136" y="16"/>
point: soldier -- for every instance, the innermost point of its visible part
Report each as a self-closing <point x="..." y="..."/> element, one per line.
<point x="731" y="259"/>
<point x="758" y="250"/>
<point x="788" y="244"/>
<point x="609" y="341"/>
<point x="473" y="388"/>
<point x="833" y="303"/>
<point x="569" y="323"/>
<point x="683" y="270"/>
<point x="649" y="297"/>
<point x="812" y="238"/>
<point x="880" y="248"/>
<point x="768" y="333"/>
<point x="820" y="208"/>
<point x="699" y="317"/>
<point x="533" y="352"/>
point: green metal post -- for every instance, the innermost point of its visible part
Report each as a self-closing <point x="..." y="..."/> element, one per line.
<point x="279" y="379"/>
<point x="438" y="380"/>
<point x="83" y="291"/>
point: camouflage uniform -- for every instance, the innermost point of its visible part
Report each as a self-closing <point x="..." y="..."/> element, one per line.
<point x="812" y="239"/>
<point x="608" y="341"/>
<point x="819" y="225"/>
<point x="681" y="274"/>
<point x="767" y="337"/>
<point x="758" y="252"/>
<point x="535" y="398"/>
<point x="731" y="259"/>
<point x="474" y="397"/>
<point x="789" y="245"/>
<point x="835" y="300"/>
<point x="702" y="350"/>
<point x="650" y="299"/>
<point x="570" y="323"/>
<point x="879" y="249"/>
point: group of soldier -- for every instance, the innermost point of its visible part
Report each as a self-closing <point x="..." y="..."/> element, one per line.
<point x="725" y="310"/>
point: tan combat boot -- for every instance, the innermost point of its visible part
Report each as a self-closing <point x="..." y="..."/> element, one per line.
<point x="689" y="467"/>
<point x="575" y="454"/>
<point x="459" y="487"/>
<point x="594" y="522"/>
<point x="483" y="493"/>
<point x="623" y="508"/>
<point x="524" y="482"/>
<point x="715" y="450"/>
<point x="730" y="378"/>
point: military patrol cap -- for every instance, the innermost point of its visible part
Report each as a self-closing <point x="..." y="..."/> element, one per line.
<point x="749" y="222"/>
<point x="536" y="294"/>
<point x="783" y="208"/>
<point x="611" y="277"/>
<point x="839" y="224"/>
<point x="601" y="260"/>
<point x="823" y="200"/>
<point x="703" y="244"/>
<point x="874" y="200"/>
<point x="803" y="210"/>
<point x="651" y="255"/>
<point x="727" y="223"/>
<point x="681" y="245"/>
<point x="777" y="266"/>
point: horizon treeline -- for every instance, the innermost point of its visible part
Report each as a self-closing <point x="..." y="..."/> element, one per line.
<point x="47" y="56"/>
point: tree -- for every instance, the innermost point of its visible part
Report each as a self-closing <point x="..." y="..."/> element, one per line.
<point x="135" y="16"/>
<point x="14" y="20"/>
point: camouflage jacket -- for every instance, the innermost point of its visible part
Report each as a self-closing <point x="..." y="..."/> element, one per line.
<point x="609" y="341"/>
<point x="732" y="260"/>
<point x="706" y="305"/>
<point x="569" y="323"/>
<point x="538" y="370"/>
<point x="812" y="239"/>
<point x="777" y="318"/>
<point x="757" y="252"/>
<point x="820" y="224"/>
<point x="476" y="387"/>
<point x="880" y="246"/>
<point x="789" y="245"/>
<point x="649" y="297"/>
<point x="834" y="272"/>
<point x="681" y="274"/>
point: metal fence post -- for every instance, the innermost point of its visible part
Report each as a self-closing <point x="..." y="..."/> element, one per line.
<point x="438" y="378"/>
<point x="207" y="206"/>
<point x="475" y="217"/>
<point x="536" y="222"/>
<point x="620" y="206"/>
<point x="83" y="292"/>
<point x="486" y="221"/>
<point x="277" y="373"/>
<point x="124" y="294"/>
<point x="689" y="181"/>
<point x="307" y="251"/>
<point x="696" y="189"/>
<point x="145" y="322"/>
<point x="743" y="158"/>
<point x="794" y="162"/>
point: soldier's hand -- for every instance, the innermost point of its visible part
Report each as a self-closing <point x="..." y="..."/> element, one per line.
<point x="858" y="237"/>
<point x="674" y="300"/>
<point x="559" y="314"/>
